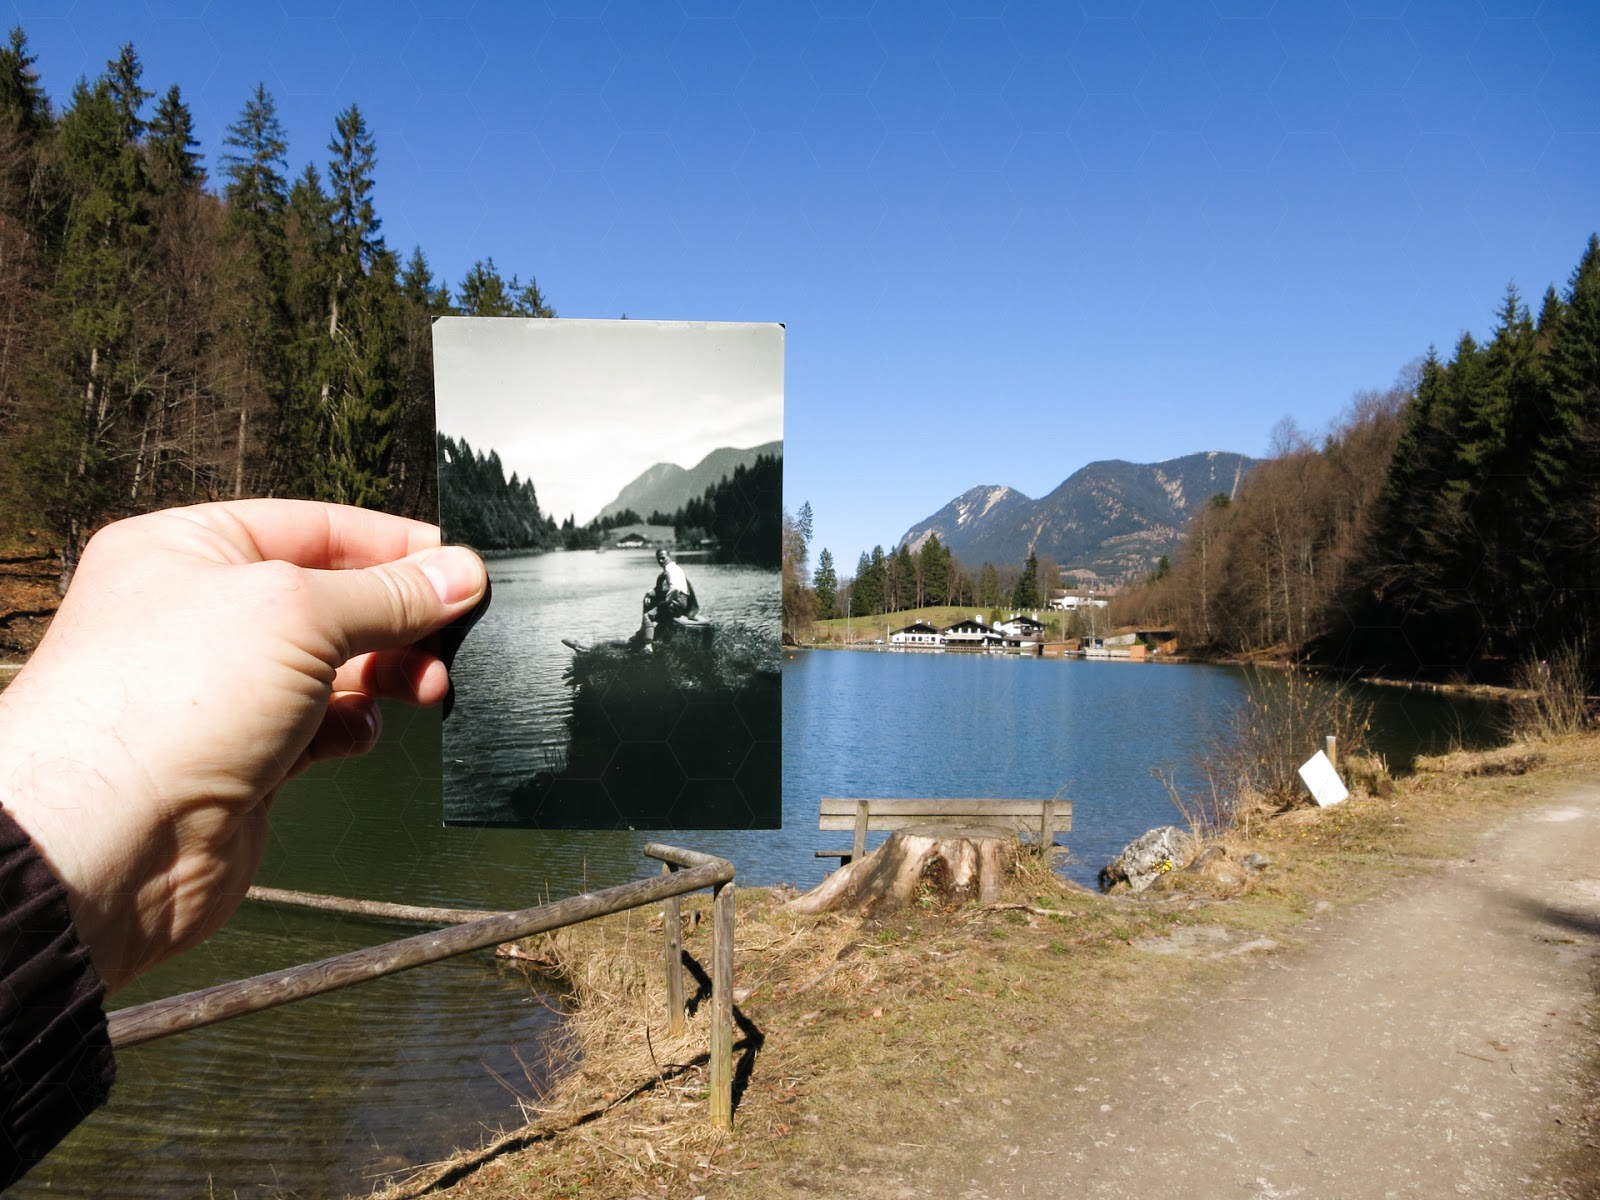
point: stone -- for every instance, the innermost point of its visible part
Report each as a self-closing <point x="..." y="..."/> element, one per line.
<point x="1147" y="858"/>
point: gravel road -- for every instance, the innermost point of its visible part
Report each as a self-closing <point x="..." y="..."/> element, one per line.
<point x="1436" y="1041"/>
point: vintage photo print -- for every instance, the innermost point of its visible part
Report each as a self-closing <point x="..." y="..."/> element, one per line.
<point x="624" y="480"/>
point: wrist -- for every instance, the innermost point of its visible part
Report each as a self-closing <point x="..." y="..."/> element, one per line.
<point x="71" y="814"/>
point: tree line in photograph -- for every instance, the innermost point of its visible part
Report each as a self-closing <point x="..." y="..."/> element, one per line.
<point x="172" y="334"/>
<point x="737" y="519"/>
<point x="1449" y="526"/>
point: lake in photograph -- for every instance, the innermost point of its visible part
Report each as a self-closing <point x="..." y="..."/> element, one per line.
<point x="548" y="736"/>
<point x="317" y="1098"/>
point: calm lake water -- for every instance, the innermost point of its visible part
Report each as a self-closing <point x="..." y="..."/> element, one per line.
<point x="315" y="1099"/>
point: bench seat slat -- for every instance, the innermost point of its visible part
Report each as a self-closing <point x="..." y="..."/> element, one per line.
<point x="838" y="813"/>
<point x="1061" y="822"/>
<point x="833" y="806"/>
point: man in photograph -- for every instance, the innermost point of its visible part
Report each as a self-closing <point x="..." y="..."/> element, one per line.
<point x="671" y="598"/>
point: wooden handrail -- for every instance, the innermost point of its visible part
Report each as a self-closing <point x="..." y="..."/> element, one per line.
<point x="689" y="871"/>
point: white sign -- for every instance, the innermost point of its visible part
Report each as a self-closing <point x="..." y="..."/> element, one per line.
<point x="1326" y="786"/>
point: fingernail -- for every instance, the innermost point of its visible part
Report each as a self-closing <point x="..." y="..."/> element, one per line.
<point x="454" y="572"/>
<point x="372" y="720"/>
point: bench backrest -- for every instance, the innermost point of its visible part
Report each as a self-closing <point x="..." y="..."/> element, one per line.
<point x="1040" y="817"/>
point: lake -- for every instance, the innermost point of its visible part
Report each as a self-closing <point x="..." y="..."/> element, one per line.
<point x="315" y="1098"/>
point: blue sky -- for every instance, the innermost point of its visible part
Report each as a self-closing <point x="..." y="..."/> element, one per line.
<point x="1007" y="239"/>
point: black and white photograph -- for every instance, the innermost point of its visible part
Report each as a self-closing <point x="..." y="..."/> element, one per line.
<point x="625" y="481"/>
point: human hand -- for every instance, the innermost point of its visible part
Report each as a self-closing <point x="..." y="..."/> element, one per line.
<point x="202" y="657"/>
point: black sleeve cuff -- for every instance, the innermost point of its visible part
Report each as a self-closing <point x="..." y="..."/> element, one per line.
<point x="55" y="1052"/>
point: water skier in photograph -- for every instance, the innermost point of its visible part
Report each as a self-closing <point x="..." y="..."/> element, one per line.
<point x="670" y="601"/>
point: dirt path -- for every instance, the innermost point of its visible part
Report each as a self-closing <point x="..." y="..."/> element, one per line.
<point x="1437" y="1041"/>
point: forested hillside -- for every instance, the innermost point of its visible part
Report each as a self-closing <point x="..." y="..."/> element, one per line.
<point x="1448" y="527"/>
<point x="171" y="332"/>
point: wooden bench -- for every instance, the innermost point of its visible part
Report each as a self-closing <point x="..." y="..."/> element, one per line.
<point x="1043" y="818"/>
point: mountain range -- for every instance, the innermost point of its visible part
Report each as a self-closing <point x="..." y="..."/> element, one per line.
<point x="1109" y="522"/>
<point x="667" y="487"/>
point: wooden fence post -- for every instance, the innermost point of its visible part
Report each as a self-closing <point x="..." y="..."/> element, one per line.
<point x="1330" y="747"/>
<point x="672" y="954"/>
<point x="722" y="1006"/>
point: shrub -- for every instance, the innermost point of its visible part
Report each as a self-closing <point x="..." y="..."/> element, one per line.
<point x="1555" y="699"/>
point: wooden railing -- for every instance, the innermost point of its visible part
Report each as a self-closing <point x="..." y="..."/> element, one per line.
<point x="683" y="871"/>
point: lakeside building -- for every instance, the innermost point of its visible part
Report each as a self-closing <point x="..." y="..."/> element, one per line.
<point x="1070" y="602"/>
<point x="1021" y="625"/>
<point x="918" y="633"/>
<point x="972" y="634"/>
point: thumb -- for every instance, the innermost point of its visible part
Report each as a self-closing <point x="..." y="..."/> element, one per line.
<point x="393" y="604"/>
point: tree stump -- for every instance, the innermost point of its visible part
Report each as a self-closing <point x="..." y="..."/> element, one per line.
<point x="956" y="864"/>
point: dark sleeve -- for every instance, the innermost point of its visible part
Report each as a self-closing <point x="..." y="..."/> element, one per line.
<point x="55" y="1051"/>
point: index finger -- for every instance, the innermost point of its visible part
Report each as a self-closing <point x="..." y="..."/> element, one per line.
<point x="309" y="533"/>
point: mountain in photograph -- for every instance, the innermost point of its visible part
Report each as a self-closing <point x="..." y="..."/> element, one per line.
<point x="1112" y="520"/>
<point x="667" y="487"/>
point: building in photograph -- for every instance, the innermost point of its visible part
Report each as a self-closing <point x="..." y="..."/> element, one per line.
<point x="641" y="537"/>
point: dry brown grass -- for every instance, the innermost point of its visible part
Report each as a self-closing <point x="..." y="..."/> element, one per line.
<point x="871" y="1048"/>
<point x="29" y="593"/>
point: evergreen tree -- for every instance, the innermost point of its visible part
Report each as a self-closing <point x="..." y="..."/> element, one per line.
<point x="24" y="108"/>
<point x="935" y="572"/>
<point x="485" y="293"/>
<point x="171" y="149"/>
<point x="254" y="329"/>
<point x="122" y="77"/>
<point x="99" y="286"/>
<point x="357" y="399"/>
<point x="866" y="592"/>
<point x="530" y="301"/>
<point x="905" y="573"/>
<point x="1567" y="462"/>
<point x="1026" y="594"/>
<point x="988" y="586"/>
<point x="257" y="191"/>
<point x="307" y="258"/>
<point x="825" y="582"/>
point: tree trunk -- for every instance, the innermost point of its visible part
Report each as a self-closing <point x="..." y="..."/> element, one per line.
<point x="956" y="865"/>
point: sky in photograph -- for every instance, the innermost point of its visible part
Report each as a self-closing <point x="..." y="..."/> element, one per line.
<point x="583" y="408"/>
<point x="1007" y="239"/>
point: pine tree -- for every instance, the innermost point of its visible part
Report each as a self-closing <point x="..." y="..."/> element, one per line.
<point x="254" y="329"/>
<point x="24" y="108"/>
<point x="988" y="586"/>
<point x="122" y="77"/>
<point x="935" y="572"/>
<point x="905" y="574"/>
<point x="825" y="582"/>
<point x="171" y="147"/>
<point x="307" y="255"/>
<point x="99" y="287"/>
<point x="357" y="400"/>
<point x="257" y="191"/>
<point x="1567" y="463"/>
<point x="1026" y="594"/>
